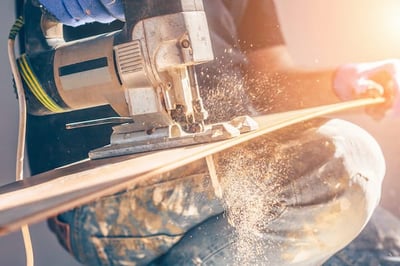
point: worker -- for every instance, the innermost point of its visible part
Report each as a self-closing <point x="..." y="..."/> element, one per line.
<point x="293" y="197"/>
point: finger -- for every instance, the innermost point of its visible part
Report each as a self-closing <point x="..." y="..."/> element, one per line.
<point x="368" y="88"/>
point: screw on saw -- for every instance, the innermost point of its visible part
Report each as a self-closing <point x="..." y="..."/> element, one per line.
<point x="185" y="43"/>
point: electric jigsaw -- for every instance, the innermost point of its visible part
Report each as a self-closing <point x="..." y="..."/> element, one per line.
<point x="145" y="71"/>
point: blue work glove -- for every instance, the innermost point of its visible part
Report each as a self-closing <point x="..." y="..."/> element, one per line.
<point x="79" y="12"/>
<point x="374" y="78"/>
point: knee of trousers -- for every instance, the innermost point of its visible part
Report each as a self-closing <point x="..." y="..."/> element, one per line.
<point x="312" y="164"/>
<point x="320" y="185"/>
<point x="340" y="217"/>
<point x="336" y="199"/>
<point x="363" y="162"/>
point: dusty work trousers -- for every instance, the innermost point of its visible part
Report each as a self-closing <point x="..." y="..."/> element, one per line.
<point x="293" y="197"/>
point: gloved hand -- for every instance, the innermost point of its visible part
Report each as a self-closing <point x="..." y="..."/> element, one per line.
<point x="365" y="79"/>
<point x="79" y="12"/>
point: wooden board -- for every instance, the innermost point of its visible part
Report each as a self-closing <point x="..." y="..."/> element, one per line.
<point x="45" y="195"/>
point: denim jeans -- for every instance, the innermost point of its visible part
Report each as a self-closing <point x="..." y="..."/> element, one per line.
<point x="293" y="197"/>
<point x="377" y="244"/>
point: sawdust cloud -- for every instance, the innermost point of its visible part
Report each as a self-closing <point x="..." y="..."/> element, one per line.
<point x="252" y="192"/>
<point x="243" y="204"/>
<point x="250" y="197"/>
<point x="229" y="89"/>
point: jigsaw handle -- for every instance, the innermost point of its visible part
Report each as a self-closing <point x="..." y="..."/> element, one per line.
<point x="53" y="15"/>
<point x="137" y="10"/>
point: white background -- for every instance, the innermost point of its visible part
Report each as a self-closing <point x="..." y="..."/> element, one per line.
<point x="319" y="34"/>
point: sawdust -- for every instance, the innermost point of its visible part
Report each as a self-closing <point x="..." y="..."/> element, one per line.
<point x="247" y="174"/>
<point x="229" y="93"/>
<point x="252" y="198"/>
<point x="243" y="205"/>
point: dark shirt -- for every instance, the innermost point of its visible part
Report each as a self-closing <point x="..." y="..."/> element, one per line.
<point x="236" y="27"/>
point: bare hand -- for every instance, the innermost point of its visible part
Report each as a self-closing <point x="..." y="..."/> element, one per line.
<point x="380" y="78"/>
